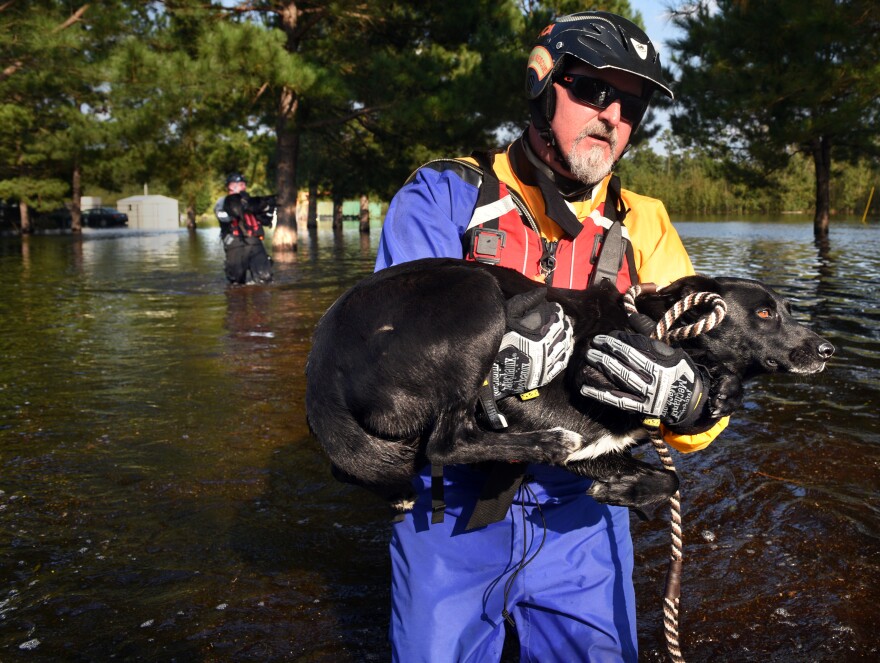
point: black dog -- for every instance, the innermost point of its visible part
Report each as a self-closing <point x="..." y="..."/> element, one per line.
<point x="397" y="362"/>
<point x="262" y="207"/>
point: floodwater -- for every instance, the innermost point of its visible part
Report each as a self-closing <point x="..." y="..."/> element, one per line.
<point x="161" y="499"/>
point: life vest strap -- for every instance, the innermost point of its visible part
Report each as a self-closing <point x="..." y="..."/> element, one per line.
<point x="491" y="211"/>
<point x="610" y="256"/>
<point x="614" y="244"/>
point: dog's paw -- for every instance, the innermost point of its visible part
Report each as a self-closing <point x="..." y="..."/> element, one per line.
<point x="725" y="395"/>
<point x="565" y="446"/>
<point x="640" y="491"/>
<point x="404" y="504"/>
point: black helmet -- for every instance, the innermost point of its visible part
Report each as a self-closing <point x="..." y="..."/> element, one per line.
<point x="601" y="40"/>
<point x="235" y="177"/>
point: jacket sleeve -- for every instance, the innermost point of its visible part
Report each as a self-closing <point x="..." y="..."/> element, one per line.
<point x="661" y="258"/>
<point x="222" y="217"/>
<point x="426" y="218"/>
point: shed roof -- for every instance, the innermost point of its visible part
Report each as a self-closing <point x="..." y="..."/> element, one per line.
<point x="149" y="198"/>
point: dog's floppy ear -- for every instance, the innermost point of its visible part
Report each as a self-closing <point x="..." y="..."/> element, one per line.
<point x="656" y="304"/>
<point x="688" y="285"/>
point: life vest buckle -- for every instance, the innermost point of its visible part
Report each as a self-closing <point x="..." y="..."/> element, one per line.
<point x="486" y="245"/>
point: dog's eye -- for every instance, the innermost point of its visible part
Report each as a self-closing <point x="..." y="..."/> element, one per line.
<point x="764" y="313"/>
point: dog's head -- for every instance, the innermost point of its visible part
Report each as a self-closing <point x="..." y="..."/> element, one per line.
<point x="758" y="335"/>
<point x="235" y="204"/>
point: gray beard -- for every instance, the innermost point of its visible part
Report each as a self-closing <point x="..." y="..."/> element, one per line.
<point x="591" y="165"/>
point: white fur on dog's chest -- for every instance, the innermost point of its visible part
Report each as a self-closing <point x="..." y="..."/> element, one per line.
<point x="604" y="445"/>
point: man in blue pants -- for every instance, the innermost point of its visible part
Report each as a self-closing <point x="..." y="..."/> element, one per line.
<point x="552" y="561"/>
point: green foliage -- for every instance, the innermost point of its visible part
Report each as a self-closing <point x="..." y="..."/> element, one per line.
<point x="764" y="80"/>
<point x="851" y="186"/>
<point x="52" y="57"/>
<point x="691" y="181"/>
<point x="175" y="95"/>
<point x="778" y="72"/>
<point x="43" y="193"/>
<point x="444" y="78"/>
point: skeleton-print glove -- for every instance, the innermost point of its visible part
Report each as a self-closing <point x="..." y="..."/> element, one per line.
<point x="537" y="346"/>
<point x="648" y="377"/>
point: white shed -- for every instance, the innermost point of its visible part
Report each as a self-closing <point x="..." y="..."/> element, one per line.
<point x="150" y="212"/>
<point x="90" y="202"/>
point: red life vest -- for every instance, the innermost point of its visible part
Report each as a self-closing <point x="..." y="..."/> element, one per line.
<point x="249" y="227"/>
<point x="246" y="226"/>
<point x="502" y="232"/>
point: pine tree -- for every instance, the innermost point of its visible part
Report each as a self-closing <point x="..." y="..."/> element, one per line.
<point x="764" y="79"/>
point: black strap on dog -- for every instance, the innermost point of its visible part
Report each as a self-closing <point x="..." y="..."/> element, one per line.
<point x="496" y="420"/>
<point x="438" y="504"/>
<point x="486" y="394"/>
<point x="504" y="478"/>
<point x="497" y="495"/>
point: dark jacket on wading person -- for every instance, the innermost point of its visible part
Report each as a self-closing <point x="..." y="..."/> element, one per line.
<point x="242" y="218"/>
<point x="554" y="562"/>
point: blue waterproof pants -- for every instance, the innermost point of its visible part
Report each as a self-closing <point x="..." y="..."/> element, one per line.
<point x="574" y="601"/>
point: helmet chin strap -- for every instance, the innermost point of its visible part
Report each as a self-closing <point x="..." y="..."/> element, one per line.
<point x="568" y="187"/>
<point x="542" y="118"/>
<point x="552" y="143"/>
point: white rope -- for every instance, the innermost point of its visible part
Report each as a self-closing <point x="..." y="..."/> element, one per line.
<point x="666" y="333"/>
<point x="664" y="330"/>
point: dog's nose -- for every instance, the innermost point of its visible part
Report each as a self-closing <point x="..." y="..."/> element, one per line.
<point x="826" y="350"/>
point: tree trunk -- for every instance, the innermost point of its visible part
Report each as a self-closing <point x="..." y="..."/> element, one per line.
<point x="76" y="206"/>
<point x="191" y="213"/>
<point x="337" y="213"/>
<point x="26" y="228"/>
<point x="284" y="237"/>
<point x="190" y="217"/>
<point x="365" y="215"/>
<point x="821" y="148"/>
<point x="312" y="222"/>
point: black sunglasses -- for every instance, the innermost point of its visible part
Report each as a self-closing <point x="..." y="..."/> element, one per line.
<point x="600" y="94"/>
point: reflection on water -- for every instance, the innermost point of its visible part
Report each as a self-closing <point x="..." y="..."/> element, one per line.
<point x="161" y="499"/>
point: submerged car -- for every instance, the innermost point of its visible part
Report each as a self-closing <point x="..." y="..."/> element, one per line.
<point x="104" y="217"/>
